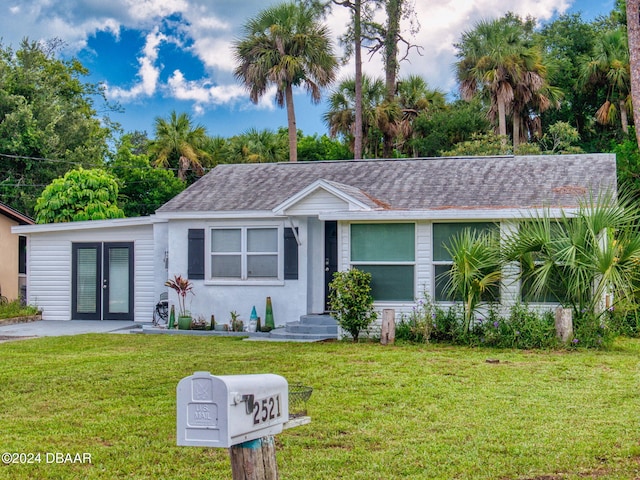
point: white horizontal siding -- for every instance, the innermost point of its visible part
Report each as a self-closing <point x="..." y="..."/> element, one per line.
<point x="49" y="277"/>
<point x="144" y="296"/>
<point x="424" y="271"/>
<point x="319" y="201"/>
<point x="49" y="269"/>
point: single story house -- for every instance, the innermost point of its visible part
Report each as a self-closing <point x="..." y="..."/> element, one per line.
<point x="246" y="232"/>
<point x="13" y="268"/>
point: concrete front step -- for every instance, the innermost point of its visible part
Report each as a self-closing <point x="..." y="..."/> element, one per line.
<point x="310" y="327"/>
<point x="318" y="319"/>
<point x="297" y="327"/>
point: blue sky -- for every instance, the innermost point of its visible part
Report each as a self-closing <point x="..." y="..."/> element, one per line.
<point x="155" y="56"/>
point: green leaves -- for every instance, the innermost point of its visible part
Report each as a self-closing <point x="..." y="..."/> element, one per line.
<point x="476" y="270"/>
<point x="79" y="195"/>
<point x="351" y="302"/>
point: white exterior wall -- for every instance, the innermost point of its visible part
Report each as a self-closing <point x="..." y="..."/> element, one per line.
<point x="424" y="270"/>
<point x="49" y="268"/>
<point x="288" y="297"/>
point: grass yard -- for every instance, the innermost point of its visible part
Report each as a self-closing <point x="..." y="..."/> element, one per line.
<point x="416" y="412"/>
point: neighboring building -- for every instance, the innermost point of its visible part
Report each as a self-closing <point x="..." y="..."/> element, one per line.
<point x="13" y="268"/>
<point x="249" y="231"/>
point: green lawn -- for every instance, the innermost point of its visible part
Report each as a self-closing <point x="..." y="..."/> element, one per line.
<point x="377" y="412"/>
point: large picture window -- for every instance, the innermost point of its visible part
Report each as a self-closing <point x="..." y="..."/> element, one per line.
<point x="442" y="261"/>
<point x="244" y="253"/>
<point x="387" y="251"/>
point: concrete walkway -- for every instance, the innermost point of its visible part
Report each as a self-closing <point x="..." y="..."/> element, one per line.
<point x="54" y="328"/>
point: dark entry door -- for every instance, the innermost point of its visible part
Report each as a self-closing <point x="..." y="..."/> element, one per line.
<point x="102" y="281"/>
<point x="330" y="256"/>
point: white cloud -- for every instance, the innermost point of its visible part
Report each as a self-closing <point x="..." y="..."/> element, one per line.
<point x="206" y="30"/>
<point x="203" y="91"/>
<point x="144" y="10"/>
<point x="148" y="73"/>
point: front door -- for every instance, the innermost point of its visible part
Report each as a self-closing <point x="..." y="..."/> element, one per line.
<point x="330" y="256"/>
<point x="102" y="281"/>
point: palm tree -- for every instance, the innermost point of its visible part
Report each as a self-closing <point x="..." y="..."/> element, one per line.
<point x="416" y="98"/>
<point x="476" y="270"/>
<point x="499" y="61"/>
<point x="532" y="96"/>
<point x="178" y="144"/>
<point x="609" y="67"/>
<point x="582" y="256"/>
<point x="340" y="118"/>
<point x="285" y="46"/>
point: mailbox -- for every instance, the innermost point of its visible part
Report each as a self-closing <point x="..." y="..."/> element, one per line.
<point x="221" y="411"/>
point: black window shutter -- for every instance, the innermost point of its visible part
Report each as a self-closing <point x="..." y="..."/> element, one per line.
<point x="195" y="268"/>
<point x="290" y="255"/>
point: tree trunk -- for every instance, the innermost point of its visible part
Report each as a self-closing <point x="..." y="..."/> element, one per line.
<point x="633" y="29"/>
<point x="516" y="132"/>
<point x="502" y="120"/>
<point x="623" y="117"/>
<point x="394" y="12"/>
<point x="291" y="120"/>
<point x="357" y="29"/>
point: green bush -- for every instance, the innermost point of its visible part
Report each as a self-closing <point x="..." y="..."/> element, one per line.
<point x="593" y="331"/>
<point x="416" y="327"/>
<point x="351" y="302"/>
<point x="16" y="309"/>
<point x="523" y="328"/>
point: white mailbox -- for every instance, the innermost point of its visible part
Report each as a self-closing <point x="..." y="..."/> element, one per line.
<point x="221" y="411"/>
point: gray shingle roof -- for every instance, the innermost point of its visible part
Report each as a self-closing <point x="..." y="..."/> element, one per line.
<point x="407" y="184"/>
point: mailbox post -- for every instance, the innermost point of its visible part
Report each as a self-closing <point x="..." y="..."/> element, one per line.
<point x="239" y="412"/>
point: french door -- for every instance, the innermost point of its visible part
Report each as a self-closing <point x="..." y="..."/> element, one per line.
<point x="102" y="281"/>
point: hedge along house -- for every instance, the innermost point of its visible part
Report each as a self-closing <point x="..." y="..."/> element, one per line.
<point x="246" y="232"/>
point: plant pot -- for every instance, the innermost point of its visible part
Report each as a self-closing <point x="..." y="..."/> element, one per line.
<point x="221" y="327"/>
<point x="184" y="323"/>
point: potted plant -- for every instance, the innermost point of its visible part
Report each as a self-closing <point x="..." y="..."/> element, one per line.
<point x="199" y="323"/>
<point x="182" y="286"/>
<point x="237" y="325"/>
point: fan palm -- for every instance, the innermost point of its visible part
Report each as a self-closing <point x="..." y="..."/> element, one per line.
<point x="476" y="270"/>
<point x="285" y="46"/>
<point x="609" y="67"/>
<point x="583" y="255"/>
<point x="416" y="98"/>
<point x="498" y="61"/>
<point x="340" y="117"/>
<point x="178" y="142"/>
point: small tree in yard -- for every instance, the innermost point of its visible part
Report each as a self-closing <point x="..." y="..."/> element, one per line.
<point x="351" y="302"/>
<point x="79" y="195"/>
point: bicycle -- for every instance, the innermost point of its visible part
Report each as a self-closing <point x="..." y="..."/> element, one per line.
<point x="161" y="311"/>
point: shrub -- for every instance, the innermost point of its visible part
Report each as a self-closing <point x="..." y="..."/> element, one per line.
<point x="449" y="325"/>
<point x="16" y="309"/>
<point x="417" y="326"/>
<point x="523" y="328"/>
<point x="592" y="331"/>
<point x="351" y="302"/>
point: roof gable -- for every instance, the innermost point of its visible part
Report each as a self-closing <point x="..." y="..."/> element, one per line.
<point x="14" y="215"/>
<point x="323" y="195"/>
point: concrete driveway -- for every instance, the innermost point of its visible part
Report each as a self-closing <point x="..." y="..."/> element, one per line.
<point x="54" y="328"/>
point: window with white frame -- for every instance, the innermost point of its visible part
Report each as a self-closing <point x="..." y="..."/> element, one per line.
<point x="387" y="252"/>
<point x="244" y="253"/>
<point x="442" y="261"/>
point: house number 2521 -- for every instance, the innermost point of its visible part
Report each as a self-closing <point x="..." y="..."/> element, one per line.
<point x="266" y="409"/>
